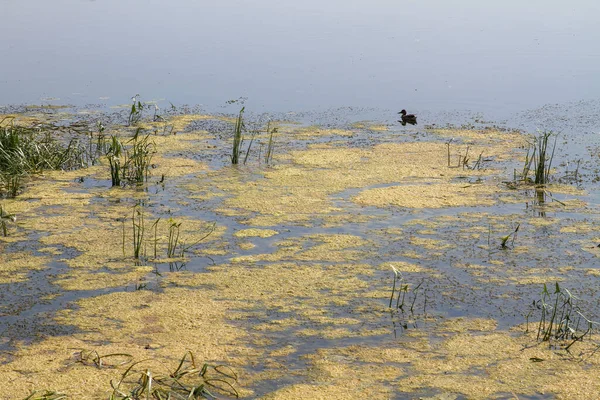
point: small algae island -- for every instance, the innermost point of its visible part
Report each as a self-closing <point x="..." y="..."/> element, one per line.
<point x="189" y="255"/>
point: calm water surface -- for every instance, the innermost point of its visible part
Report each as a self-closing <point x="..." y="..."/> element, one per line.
<point x="495" y="57"/>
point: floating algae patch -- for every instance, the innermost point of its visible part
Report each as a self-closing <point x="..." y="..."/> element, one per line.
<point x="187" y="143"/>
<point x="280" y="317"/>
<point x="317" y="131"/>
<point x="253" y="232"/>
<point x="318" y="247"/>
<point x="429" y="243"/>
<point x="350" y="372"/>
<point x="580" y="227"/>
<point x="173" y="125"/>
<point x="461" y="357"/>
<point x="16" y="267"/>
<point x="246" y="246"/>
<point x="329" y="157"/>
<point x="299" y="191"/>
<point x="370" y="126"/>
<point x="352" y="388"/>
<point x="144" y="325"/>
<point x="45" y="193"/>
<point x="441" y="195"/>
<point x="481" y="366"/>
<point x="176" y="166"/>
<point x="343" y="218"/>
<point x="332" y="333"/>
<point x="462" y="324"/>
<point x="485" y="136"/>
<point x="180" y="122"/>
<point x="280" y="286"/>
<point x="94" y="280"/>
<point x="403" y="266"/>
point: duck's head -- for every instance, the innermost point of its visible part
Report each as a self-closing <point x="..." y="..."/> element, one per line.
<point x="403" y="112"/>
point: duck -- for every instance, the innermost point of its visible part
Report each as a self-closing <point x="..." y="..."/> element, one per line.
<point x="407" y="118"/>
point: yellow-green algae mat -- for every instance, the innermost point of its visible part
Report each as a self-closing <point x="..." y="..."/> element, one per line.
<point x="224" y="315"/>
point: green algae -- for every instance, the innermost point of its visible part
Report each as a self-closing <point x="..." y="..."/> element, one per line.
<point x="252" y="232"/>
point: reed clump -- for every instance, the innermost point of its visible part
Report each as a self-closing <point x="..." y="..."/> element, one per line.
<point x="130" y="161"/>
<point x="29" y="150"/>
<point x="538" y="160"/>
<point x="136" y="111"/>
<point x="240" y="152"/>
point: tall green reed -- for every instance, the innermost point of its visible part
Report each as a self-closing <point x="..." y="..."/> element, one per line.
<point x="238" y="137"/>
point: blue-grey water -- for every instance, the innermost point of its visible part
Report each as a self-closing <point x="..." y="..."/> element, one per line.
<point x="495" y="57"/>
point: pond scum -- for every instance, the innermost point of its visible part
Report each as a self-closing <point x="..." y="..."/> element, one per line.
<point x="159" y="257"/>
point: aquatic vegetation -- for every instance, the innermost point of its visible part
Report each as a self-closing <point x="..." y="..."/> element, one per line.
<point x="135" y="113"/>
<point x="45" y="395"/>
<point x="130" y="164"/>
<point x="540" y="157"/>
<point x="291" y="297"/>
<point x="403" y="291"/>
<point x="29" y="150"/>
<point x="137" y="222"/>
<point x="237" y="137"/>
<point x="173" y="238"/>
<point x="505" y="239"/>
<point x="187" y="381"/>
<point x="253" y="232"/>
<point x="175" y="246"/>
<point x="138" y="157"/>
<point x="270" y="144"/>
<point x="255" y="129"/>
<point x="98" y="146"/>
<point x="114" y="158"/>
<point x="92" y="357"/>
<point x="5" y="218"/>
<point x="561" y="319"/>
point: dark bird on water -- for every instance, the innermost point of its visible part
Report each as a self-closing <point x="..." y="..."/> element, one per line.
<point x="407" y="118"/>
